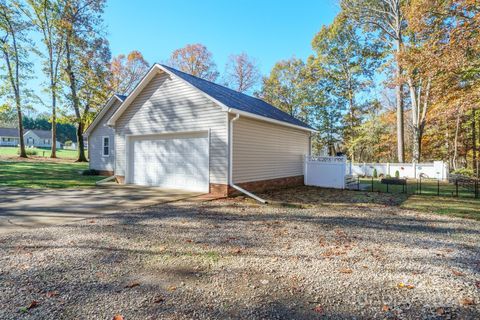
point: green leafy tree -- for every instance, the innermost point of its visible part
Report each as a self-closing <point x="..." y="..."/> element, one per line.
<point x="85" y="61"/>
<point x="14" y="47"/>
<point x="385" y="18"/>
<point x="347" y="63"/>
<point x="47" y="16"/>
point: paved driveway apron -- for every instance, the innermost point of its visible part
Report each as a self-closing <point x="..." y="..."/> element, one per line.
<point x="30" y="208"/>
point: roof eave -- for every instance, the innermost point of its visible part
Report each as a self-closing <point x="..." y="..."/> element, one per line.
<point x="101" y="114"/>
<point x="267" y="119"/>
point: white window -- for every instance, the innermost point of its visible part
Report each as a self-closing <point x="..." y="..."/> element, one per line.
<point x="106" y="146"/>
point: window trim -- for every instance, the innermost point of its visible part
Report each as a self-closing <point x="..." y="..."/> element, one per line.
<point x="104" y="145"/>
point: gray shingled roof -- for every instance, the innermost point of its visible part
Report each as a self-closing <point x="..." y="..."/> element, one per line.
<point x="238" y="100"/>
<point x="8" y="132"/>
<point x="42" y="134"/>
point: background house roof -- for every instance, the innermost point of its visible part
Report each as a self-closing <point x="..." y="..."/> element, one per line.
<point x="238" y="100"/>
<point x="42" y="134"/>
<point x="8" y="132"/>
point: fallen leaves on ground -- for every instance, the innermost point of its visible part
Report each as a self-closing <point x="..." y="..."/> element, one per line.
<point x="117" y="317"/>
<point x="385" y="308"/>
<point x="402" y="285"/>
<point x="346" y="270"/>
<point x="33" y="304"/>
<point x="458" y="273"/>
<point x="132" y="285"/>
<point x="159" y="299"/>
<point x="51" y="294"/>
<point x="467" y="302"/>
<point x="318" y="309"/>
<point x="440" y="311"/>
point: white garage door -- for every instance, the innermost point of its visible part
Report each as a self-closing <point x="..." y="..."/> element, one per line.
<point x="170" y="161"/>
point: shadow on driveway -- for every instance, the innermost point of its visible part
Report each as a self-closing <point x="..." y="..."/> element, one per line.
<point x="30" y="208"/>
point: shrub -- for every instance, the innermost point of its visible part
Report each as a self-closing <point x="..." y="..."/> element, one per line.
<point x="375" y="174"/>
<point x="29" y="151"/>
<point x="397" y="174"/>
<point x="90" y="172"/>
<point x="464" y="172"/>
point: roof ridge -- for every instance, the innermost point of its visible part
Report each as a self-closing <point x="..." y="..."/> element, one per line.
<point x="232" y="94"/>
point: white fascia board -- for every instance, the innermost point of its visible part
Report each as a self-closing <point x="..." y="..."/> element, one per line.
<point x="267" y="119"/>
<point x="101" y="114"/>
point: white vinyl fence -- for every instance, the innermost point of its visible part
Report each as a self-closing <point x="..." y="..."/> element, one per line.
<point x="327" y="172"/>
<point x="435" y="170"/>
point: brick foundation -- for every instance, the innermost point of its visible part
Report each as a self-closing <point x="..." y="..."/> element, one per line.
<point x="265" y="185"/>
<point x="105" y="173"/>
<point x="219" y="190"/>
<point x="223" y="190"/>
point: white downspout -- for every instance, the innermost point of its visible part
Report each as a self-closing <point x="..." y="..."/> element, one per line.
<point x="230" y="164"/>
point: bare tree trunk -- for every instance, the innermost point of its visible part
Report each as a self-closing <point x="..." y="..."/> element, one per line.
<point x="455" y="144"/>
<point x="54" y="124"/>
<point x="474" y="142"/>
<point x="399" y="103"/>
<point x="76" y="104"/>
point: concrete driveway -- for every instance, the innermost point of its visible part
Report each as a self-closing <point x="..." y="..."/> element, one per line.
<point x="30" y="208"/>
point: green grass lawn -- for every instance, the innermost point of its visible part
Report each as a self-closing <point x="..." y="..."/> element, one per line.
<point x="45" y="153"/>
<point x="33" y="174"/>
<point x="435" y="197"/>
<point x="452" y="206"/>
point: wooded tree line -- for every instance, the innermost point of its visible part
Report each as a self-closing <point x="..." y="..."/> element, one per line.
<point x="388" y="80"/>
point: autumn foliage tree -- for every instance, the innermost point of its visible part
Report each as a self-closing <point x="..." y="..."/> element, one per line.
<point x="127" y="71"/>
<point x="195" y="59"/>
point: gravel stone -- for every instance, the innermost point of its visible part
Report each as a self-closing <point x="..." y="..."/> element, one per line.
<point x="235" y="259"/>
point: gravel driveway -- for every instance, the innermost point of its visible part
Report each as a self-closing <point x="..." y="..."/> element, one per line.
<point x="234" y="259"/>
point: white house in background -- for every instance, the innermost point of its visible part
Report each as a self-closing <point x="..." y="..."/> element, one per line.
<point x="9" y="137"/>
<point x="179" y="131"/>
<point x="32" y="138"/>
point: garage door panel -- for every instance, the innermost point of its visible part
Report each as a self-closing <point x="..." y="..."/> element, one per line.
<point x="171" y="161"/>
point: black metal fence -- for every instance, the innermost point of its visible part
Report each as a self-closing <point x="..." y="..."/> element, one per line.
<point x="456" y="186"/>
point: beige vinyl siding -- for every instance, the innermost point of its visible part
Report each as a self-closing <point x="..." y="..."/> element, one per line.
<point x="168" y="105"/>
<point x="263" y="150"/>
<point x="95" y="142"/>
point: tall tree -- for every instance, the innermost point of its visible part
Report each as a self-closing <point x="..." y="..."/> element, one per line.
<point x="127" y="71"/>
<point x="387" y="18"/>
<point x="196" y="60"/>
<point x="241" y="72"/>
<point x="82" y="26"/>
<point x="284" y="87"/>
<point x="47" y="17"/>
<point x="347" y="62"/>
<point x="447" y="61"/>
<point x="14" y="48"/>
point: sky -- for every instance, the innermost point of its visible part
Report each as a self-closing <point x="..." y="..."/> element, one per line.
<point x="267" y="30"/>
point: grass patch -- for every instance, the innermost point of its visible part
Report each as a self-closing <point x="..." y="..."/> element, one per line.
<point x="28" y="174"/>
<point x="456" y="207"/>
<point x="42" y="153"/>
<point x="428" y="201"/>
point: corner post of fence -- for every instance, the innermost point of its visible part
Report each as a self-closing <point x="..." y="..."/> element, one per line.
<point x="387" y="186"/>
<point x="358" y="183"/>
<point x="372" y="183"/>
<point x="438" y="187"/>
<point x="456" y="187"/>
<point x="420" y="184"/>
